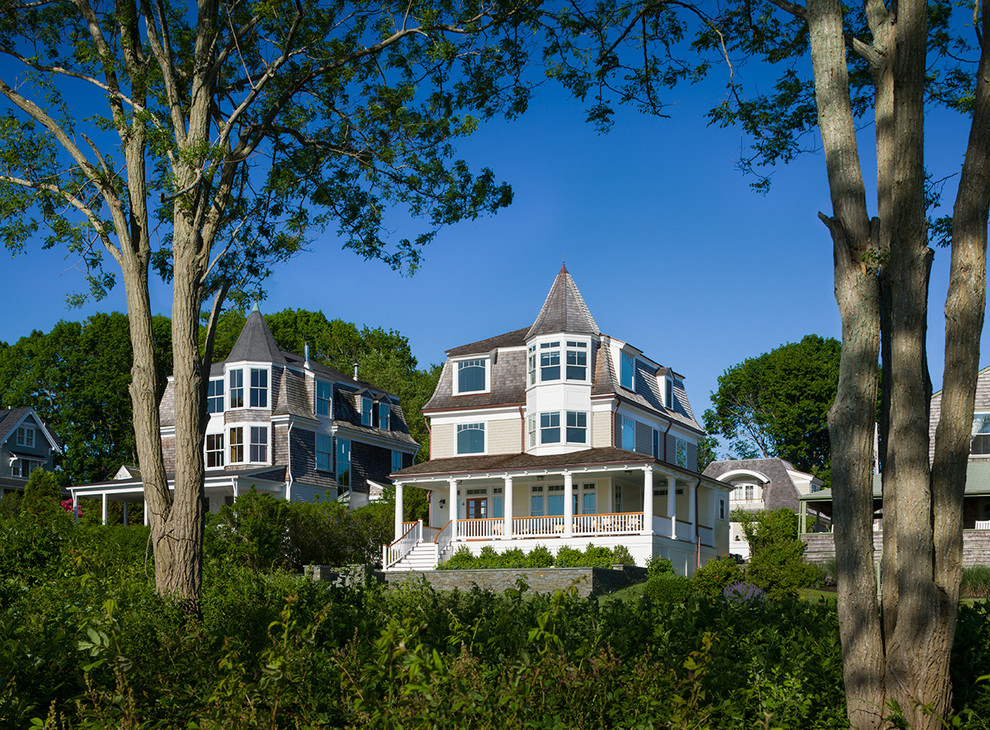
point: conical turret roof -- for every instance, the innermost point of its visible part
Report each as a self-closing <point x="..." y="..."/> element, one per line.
<point x="564" y="310"/>
<point x="256" y="343"/>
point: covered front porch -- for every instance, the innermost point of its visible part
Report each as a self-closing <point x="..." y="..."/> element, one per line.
<point x="651" y="508"/>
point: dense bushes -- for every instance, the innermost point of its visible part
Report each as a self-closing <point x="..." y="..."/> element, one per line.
<point x="539" y="557"/>
<point x="776" y="561"/>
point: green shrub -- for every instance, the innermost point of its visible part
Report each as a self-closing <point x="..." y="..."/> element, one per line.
<point x="622" y="556"/>
<point x="976" y="581"/>
<point x="668" y="588"/>
<point x="462" y="559"/>
<point x="657" y="565"/>
<point x="776" y="554"/>
<point x="711" y="578"/>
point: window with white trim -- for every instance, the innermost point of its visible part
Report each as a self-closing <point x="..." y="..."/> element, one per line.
<point x="555" y="500"/>
<point x="681" y="452"/>
<point x="343" y="471"/>
<point x="23" y="467"/>
<point x="396" y="461"/>
<point x="577" y="427"/>
<point x="25" y="436"/>
<point x="577" y="360"/>
<point x="549" y="361"/>
<point x="531" y="364"/>
<point x="236" y="445"/>
<point x="235" y="379"/>
<point x="384" y="411"/>
<point x="536" y="500"/>
<point x="980" y="445"/>
<point x="550" y="428"/>
<point x="366" y="405"/>
<point x="323" y="398"/>
<point x="214" y="396"/>
<point x="628" y="434"/>
<point x="531" y="429"/>
<point x="259" y="444"/>
<point x="669" y="393"/>
<point x="259" y="388"/>
<point x="627" y="370"/>
<point x="472" y="376"/>
<point x="721" y="508"/>
<point x="470" y="438"/>
<point x="323" y="451"/>
<point x="214" y="449"/>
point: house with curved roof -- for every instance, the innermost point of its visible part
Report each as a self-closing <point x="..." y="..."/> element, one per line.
<point x="558" y="434"/>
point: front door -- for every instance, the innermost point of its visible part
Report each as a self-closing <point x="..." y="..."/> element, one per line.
<point x="477" y="508"/>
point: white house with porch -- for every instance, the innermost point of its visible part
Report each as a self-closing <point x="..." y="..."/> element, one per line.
<point x="559" y="435"/>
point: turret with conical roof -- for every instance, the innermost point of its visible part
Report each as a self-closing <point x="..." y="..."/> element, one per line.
<point x="564" y="310"/>
<point x="256" y="343"/>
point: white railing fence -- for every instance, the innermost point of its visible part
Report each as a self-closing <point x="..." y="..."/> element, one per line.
<point x="403" y="546"/>
<point x="661" y="525"/>
<point x="481" y="528"/>
<point x="445" y="536"/>
<point x="538" y="526"/>
<point x="982" y="525"/>
<point x="685" y="531"/>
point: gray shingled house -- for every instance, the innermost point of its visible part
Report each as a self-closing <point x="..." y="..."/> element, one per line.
<point x="284" y="425"/>
<point x="557" y="434"/>
<point x="26" y="444"/>
<point x="760" y="484"/>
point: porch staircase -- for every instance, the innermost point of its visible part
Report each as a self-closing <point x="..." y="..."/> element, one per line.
<point x="422" y="557"/>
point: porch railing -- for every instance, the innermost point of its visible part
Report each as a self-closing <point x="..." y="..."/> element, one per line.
<point x="538" y="526"/>
<point x="443" y="539"/>
<point x="480" y="528"/>
<point x="706" y="535"/>
<point x="403" y="546"/>
<point x="685" y="531"/>
<point x="616" y="523"/>
<point x="982" y="525"/>
<point x="661" y="525"/>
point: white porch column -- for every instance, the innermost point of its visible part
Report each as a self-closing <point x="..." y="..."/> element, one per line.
<point x="672" y="505"/>
<point x="568" y="504"/>
<point x="398" y="510"/>
<point x="125" y="513"/>
<point x="507" y="512"/>
<point x="104" y="500"/>
<point x="75" y="508"/>
<point x="648" y="500"/>
<point x="452" y="501"/>
<point x="693" y="511"/>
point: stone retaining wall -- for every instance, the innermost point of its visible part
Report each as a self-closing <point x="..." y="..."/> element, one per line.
<point x="587" y="581"/>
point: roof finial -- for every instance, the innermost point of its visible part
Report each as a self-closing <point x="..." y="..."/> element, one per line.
<point x="563" y="264"/>
<point x="255" y="307"/>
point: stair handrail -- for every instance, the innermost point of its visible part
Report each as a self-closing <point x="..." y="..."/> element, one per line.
<point x="444" y="538"/>
<point x="404" y="545"/>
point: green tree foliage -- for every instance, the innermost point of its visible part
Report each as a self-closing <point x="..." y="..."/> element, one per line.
<point x="42" y="497"/>
<point x="777" y="404"/>
<point x="776" y="561"/>
<point x="76" y="377"/>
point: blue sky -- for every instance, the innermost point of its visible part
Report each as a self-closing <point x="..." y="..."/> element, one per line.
<point x="671" y="248"/>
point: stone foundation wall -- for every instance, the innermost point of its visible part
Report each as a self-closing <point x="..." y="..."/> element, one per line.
<point x="821" y="547"/>
<point x="587" y="581"/>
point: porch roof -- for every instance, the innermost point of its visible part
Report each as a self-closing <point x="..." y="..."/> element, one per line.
<point x="504" y="463"/>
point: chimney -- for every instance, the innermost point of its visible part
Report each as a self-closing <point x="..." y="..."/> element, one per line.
<point x="306" y="353"/>
<point x="355" y="370"/>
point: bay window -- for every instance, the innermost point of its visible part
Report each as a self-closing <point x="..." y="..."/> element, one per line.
<point x="259" y="388"/>
<point x="214" y="449"/>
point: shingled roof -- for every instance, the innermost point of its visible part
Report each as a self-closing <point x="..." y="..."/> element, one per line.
<point x="564" y="311"/>
<point x="256" y="343"/>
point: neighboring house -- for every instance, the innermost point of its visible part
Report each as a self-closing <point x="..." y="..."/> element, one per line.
<point x="284" y="425"/>
<point x="976" y="500"/>
<point x="26" y="444"/>
<point x="760" y="484"/>
<point x="557" y="434"/>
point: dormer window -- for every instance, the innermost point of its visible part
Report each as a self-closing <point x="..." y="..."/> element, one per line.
<point x="472" y="376"/>
<point x="25" y="436"/>
<point x="259" y="388"/>
<point x="214" y="396"/>
<point x="322" y="398"/>
<point x="669" y="393"/>
<point x="366" y="405"/>
<point x="627" y="371"/>
<point x="384" y="411"/>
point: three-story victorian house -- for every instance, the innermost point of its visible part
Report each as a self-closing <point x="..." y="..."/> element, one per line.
<point x="557" y="434"/>
<point x="284" y="425"/>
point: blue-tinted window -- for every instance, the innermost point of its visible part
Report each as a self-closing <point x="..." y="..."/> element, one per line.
<point x="588" y="506"/>
<point x="577" y="427"/>
<point x="365" y="411"/>
<point x="669" y="393"/>
<point x="396" y="460"/>
<point x="471" y="438"/>
<point x="577" y="361"/>
<point x="343" y="465"/>
<point x="555" y="504"/>
<point x="549" y="361"/>
<point x="259" y="444"/>
<point x="323" y="447"/>
<point x="470" y="376"/>
<point x="536" y="505"/>
<point x="628" y="434"/>
<point x="498" y="508"/>
<point x="627" y="371"/>
<point x="384" y="411"/>
<point x="550" y="428"/>
<point x="214" y="396"/>
<point x="259" y="388"/>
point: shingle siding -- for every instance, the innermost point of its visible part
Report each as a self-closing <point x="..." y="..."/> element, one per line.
<point x="442" y="441"/>
<point x="504" y="436"/>
<point x="601" y="429"/>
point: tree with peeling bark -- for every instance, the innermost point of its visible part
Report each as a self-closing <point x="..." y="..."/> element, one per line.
<point x="879" y="62"/>
<point x="207" y="141"/>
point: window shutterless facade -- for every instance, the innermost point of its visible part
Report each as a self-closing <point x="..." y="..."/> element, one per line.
<point x="259" y="388"/>
<point x="627" y="371"/>
<point x="628" y="434"/>
<point x="323" y="447"/>
<point x="323" y="402"/>
<point x="384" y="413"/>
<point x="577" y="360"/>
<point x="550" y="428"/>
<point x="343" y="471"/>
<point x="472" y="376"/>
<point x="531" y="429"/>
<point x="577" y="427"/>
<point x="549" y="361"/>
<point x="980" y="445"/>
<point x="236" y="445"/>
<point x="366" y="406"/>
<point x="396" y="461"/>
<point x="214" y="449"/>
<point x="25" y="436"/>
<point x="470" y="438"/>
<point x="669" y="393"/>
<point x="214" y="396"/>
<point x="235" y="379"/>
<point x="259" y="444"/>
<point x="23" y="467"/>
